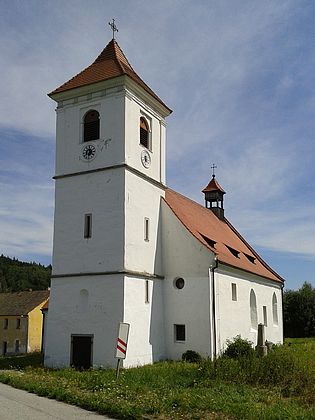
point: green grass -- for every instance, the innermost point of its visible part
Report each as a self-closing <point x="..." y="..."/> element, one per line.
<point x="280" y="386"/>
<point x="21" y="361"/>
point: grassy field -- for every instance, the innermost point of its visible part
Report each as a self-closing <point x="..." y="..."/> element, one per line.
<point x="279" y="386"/>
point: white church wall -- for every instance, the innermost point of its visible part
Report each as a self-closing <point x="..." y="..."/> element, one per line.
<point x="110" y="147"/>
<point x="98" y="314"/>
<point x="233" y="317"/>
<point x="142" y="200"/>
<point x="145" y="316"/>
<point x="99" y="194"/>
<point x="184" y="256"/>
<point x="134" y="110"/>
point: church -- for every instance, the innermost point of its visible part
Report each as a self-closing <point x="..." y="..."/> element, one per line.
<point x="127" y="248"/>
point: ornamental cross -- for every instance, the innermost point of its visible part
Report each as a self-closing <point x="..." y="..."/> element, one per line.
<point x="213" y="167"/>
<point x="114" y="27"/>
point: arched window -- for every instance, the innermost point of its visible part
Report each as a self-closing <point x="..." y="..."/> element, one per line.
<point x="275" y="309"/>
<point x="91" y="130"/>
<point x="144" y="132"/>
<point x="253" y="310"/>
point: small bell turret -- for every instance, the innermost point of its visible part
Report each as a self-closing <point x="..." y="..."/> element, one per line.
<point x="214" y="197"/>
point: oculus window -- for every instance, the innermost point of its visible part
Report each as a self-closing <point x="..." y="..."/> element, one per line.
<point x="179" y="283"/>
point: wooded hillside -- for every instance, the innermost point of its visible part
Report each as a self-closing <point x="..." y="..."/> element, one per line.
<point x="16" y="275"/>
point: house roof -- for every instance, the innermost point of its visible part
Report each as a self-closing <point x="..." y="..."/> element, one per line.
<point x="111" y="63"/>
<point x="21" y="303"/>
<point x="219" y="236"/>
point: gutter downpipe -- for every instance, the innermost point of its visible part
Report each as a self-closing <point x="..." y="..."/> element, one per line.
<point x="214" y="321"/>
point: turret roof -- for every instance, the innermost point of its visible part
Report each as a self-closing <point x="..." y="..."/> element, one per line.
<point x="213" y="186"/>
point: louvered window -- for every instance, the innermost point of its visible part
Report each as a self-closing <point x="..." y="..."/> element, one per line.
<point x="144" y="133"/>
<point x="91" y="126"/>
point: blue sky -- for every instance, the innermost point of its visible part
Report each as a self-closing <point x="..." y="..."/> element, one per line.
<point x="240" y="78"/>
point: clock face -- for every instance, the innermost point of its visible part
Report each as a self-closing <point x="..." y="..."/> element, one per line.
<point x="89" y="152"/>
<point x="145" y="158"/>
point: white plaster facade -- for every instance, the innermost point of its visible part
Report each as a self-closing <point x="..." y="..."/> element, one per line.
<point x="119" y="275"/>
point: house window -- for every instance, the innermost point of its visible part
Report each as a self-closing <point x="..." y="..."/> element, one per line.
<point x="274" y="310"/>
<point x="180" y="332"/>
<point x="147" y="291"/>
<point x="253" y="310"/>
<point x="5" y="323"/>
<point x="144" y="132"/>
<point x="179" y="283"/>
<point x="4" y="348"/>
<point x="146" y="229"/>
<point x="91" y="126"/>
<point x="88" y="225"/>
<point x="18" y="323"/>
<point x="265" y="315"/>
<point x="17" y="346"/>
<point x="234" y="293"/>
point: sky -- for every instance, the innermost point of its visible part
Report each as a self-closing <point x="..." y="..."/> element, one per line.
<point x="239" y="76"/>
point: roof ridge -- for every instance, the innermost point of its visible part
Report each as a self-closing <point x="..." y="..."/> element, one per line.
<point x="263" y="262"/>
<point x="194" y="202"/>
<point x="203" y="242"/>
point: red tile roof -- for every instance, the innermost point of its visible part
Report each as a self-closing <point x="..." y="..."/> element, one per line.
<point x="109" y="64"/>
<point x="213" y="186"/>
<point x="223" y="239"/>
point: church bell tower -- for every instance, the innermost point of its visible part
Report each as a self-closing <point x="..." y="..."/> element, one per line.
<point x="110" y="177"/>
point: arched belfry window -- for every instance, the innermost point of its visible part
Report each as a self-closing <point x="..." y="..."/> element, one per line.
<point x="253" y="310"/>
<point x="91" y="130"/>
<point x="144" y="132"/>
<point x="274" y="309"/>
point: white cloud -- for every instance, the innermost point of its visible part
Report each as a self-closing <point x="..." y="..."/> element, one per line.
<point x="230" y="70"/>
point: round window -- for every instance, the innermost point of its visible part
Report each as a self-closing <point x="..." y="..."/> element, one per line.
<point x="179" y="283"/>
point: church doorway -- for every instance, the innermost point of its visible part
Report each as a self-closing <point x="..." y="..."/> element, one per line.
<point x="81" y="351"/>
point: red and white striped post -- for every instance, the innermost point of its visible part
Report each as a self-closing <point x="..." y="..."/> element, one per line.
<point x="121" y="346"/>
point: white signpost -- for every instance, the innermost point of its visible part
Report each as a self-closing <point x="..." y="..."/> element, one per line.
<point x="122" y="341"/>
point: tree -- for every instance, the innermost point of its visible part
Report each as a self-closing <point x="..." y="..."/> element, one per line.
<point x="299" y="312"/>
<point x="17" y="275"/>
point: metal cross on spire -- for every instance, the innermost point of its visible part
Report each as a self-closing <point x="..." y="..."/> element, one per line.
<point x="213" y="167"/>
<point x="114" y="27"/>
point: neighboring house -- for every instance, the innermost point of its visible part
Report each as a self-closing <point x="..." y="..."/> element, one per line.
<point x="21" y="321"/>
<point x="129" y="249"/>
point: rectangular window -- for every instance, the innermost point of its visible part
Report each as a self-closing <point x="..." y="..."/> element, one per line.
<point x="17" y="346"/>
<point x="5" y="323"/>
<point x="4" y="348"/>
<point x="234" y="293"/>
<point x="146" y="229"/>
<point x="18" y="323"/>
<point x="88" y="225"/>
<point x="147" y="291"/>
<point x="180" y="332"/>
<point x="265" y="315"/>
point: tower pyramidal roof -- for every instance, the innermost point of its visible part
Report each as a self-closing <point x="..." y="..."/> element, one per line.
<point x="111" y="63"/>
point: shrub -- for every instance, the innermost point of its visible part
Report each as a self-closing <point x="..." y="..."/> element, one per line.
<point x="239" y="347"/>
<point x="191" y="356"/>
